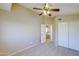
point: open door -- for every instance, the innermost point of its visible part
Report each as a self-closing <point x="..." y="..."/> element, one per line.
<point x="42" y="33"/>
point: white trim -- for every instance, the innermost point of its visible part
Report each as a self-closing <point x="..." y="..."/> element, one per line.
<point x="23" y="49"/>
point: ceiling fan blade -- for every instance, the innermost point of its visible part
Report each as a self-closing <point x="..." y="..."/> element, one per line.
<point x="50" y="14"/>
<point x="40" y="14"/>
<point x="37" y="8"/>
<point x="55" y="9"/>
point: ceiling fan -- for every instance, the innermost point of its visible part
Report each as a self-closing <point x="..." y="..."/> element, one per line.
<point x="47" y="10"/>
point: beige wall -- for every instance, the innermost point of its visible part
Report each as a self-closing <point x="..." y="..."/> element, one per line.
<point x="20" y="28"/>
<point x="71" y="17"/>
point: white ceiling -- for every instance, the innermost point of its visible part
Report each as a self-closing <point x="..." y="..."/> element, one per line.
<point x="65" y="8"/>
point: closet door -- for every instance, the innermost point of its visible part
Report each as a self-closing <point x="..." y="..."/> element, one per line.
<point x="74" y="35"/>
<point x="63" y="34"/>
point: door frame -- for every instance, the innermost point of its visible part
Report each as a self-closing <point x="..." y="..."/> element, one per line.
<point x="51" y="33"/>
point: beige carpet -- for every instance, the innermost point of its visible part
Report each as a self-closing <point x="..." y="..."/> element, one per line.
<point x="48" y="50"/>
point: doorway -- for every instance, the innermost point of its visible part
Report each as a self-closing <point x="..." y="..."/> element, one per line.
<point x="46" y="33"/>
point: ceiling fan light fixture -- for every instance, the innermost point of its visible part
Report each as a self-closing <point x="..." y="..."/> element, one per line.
<point x="48" y="12"/>
<point x="45" y="12"/>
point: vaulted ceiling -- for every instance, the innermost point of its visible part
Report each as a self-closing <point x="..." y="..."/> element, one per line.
<point x="65" y="8"/>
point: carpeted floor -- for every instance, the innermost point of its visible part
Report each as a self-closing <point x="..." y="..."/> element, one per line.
<point x="48" y="50"/>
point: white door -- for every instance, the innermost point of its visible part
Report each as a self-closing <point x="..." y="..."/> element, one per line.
<point x="62" y="34"/>
<point x="74" y="35"/>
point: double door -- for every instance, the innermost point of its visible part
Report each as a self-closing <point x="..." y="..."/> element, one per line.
<point x="68" y="34"/>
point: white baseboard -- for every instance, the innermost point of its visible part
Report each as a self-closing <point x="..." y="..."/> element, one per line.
<point x="23" y="49"/>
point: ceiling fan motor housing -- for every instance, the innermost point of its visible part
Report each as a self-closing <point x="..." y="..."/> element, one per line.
<point x="45" y="8"/>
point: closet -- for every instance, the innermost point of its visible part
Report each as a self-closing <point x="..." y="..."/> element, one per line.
<point x="68" y="34"/>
